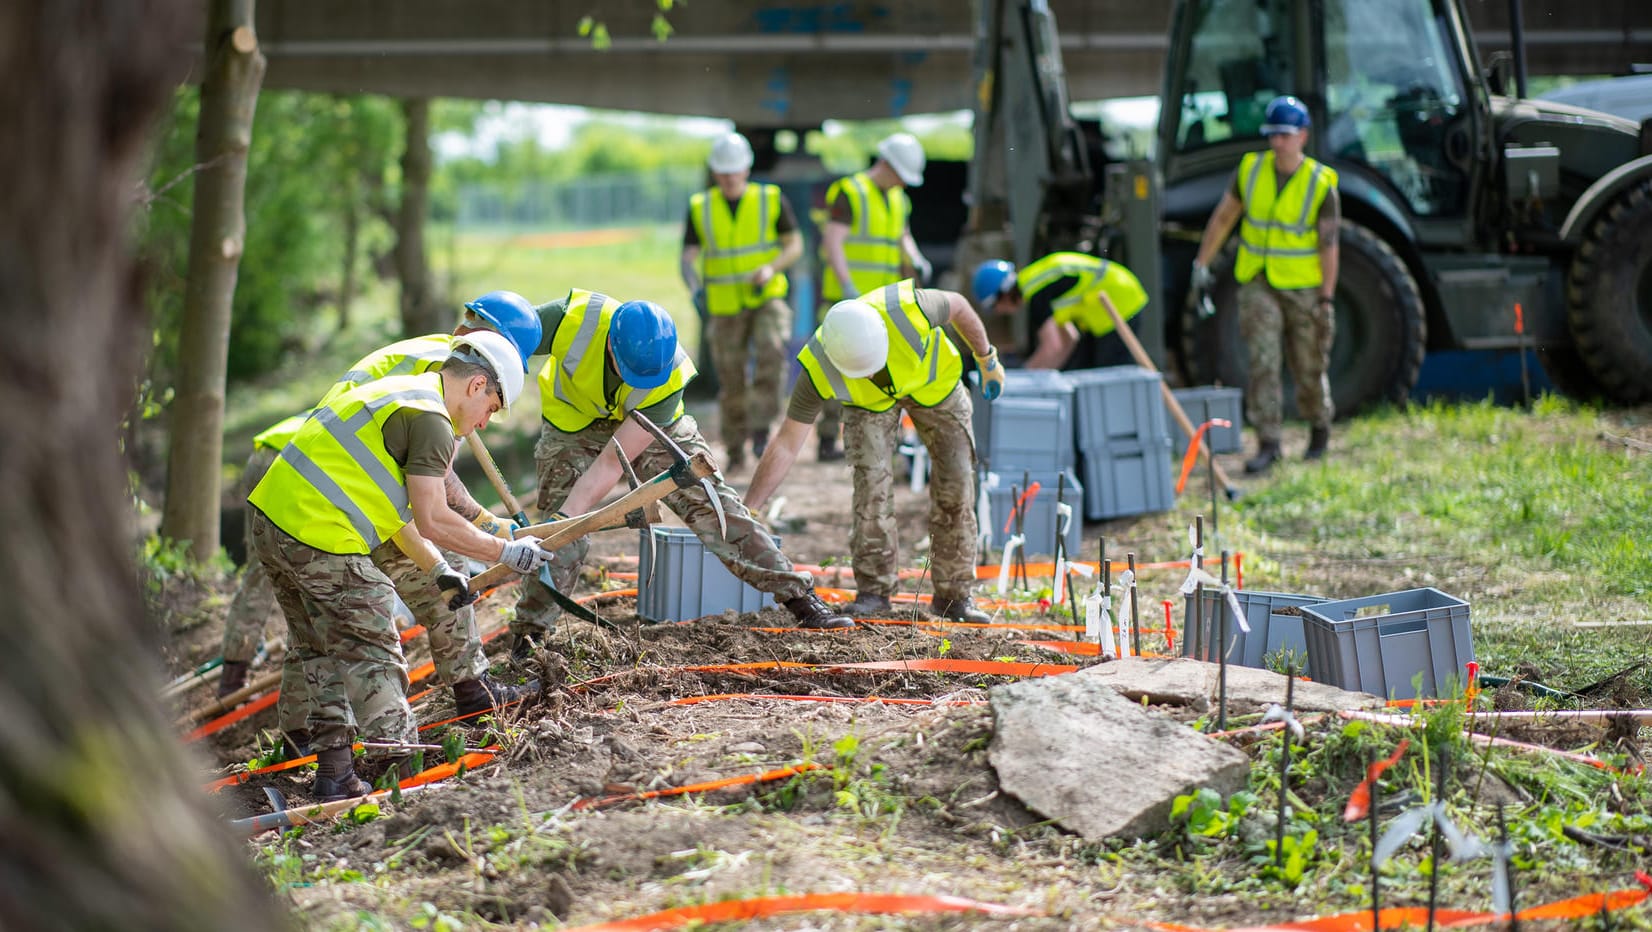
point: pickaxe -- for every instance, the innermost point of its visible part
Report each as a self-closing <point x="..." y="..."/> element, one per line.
<point x="647" y="517"/>
<point x="492" y="469"/>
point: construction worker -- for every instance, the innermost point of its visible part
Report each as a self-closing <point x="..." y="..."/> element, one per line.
<point x="868" y="241"/>
<point x="455" y="641"/>
<point x="1069" y="291"/>
<point x="738" y="241"/>
<point x="1290" y="211"/>
<point x="367" y="462"/>
<point x="881" y="354"/>
<point x="606" y="360"/>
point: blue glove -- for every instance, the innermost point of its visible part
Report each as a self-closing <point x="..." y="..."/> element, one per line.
<point x="992" y="374"/>
<point x="700" y="302"/>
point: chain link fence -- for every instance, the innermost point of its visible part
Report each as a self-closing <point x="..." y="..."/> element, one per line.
<point x="585" y="203"/>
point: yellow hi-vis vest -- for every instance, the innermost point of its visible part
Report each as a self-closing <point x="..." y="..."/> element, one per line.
<point x="877" y="220"/>
<point x="1079" y="304"/>
<point x="570" y="385"/>
<point x="1280" y="230"/>
<point x="412" y="356"/>
<point x="734" y="244"/>
<point x="334" y="487"/>
<point x="923" y="364"/>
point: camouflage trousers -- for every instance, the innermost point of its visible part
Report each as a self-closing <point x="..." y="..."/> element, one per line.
<point x="342" y="635"/>
<point x="1293" y="328"/>
<point x="748" y="550"/>
<point x="756" y="335"/>
<point x="869" y="440"/>
<point x="254" y="600"/>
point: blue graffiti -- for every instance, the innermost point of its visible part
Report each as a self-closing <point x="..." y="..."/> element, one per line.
<point x="777" y="96"/>
<point x="829" y="17"/>
<point x="900" y="95"/>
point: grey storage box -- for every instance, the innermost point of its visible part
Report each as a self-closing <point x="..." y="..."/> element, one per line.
<point x="1380" y="643"/>
<point x="1118" y="405"/>
<point x="1039" y="525"/>
<point x="1204" y="402"/>
<point x="1271" y="632"/>
<point x="1020" y="386"/>
<point x="689" y="581"/>
<point x="1126" y="479"/>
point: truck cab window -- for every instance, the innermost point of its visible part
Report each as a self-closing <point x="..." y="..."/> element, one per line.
<point x="1235" y="65"/>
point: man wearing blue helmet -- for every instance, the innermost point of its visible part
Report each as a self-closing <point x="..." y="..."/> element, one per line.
<point x="606" y="359"/>
<point x="1290" y="213"/>
<point x="1068" y="291"/>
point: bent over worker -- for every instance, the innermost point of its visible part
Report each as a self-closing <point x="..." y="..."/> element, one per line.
<point x="455" y="641"/>
<point x="738" y="242"/>
<point x="1068" y="291"/>
<point x="365" y="464"/>
<point x="606" y="360"/>
<point x="882" y="354"/>
<point x="1288" y="232"/>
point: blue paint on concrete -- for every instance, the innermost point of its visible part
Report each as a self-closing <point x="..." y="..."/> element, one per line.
<point x="818" y="18"/>
<point x="777" y="92"/>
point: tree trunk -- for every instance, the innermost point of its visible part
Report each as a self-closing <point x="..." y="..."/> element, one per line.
<point x="102" y="820"/>
<point x="229" y="93"/>
<point x="422" y="312"/>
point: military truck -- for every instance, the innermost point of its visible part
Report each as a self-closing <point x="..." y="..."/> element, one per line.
<point x="1461" y="198"/>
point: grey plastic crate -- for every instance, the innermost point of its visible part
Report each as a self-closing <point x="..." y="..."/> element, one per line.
<point x="1021" y="385"/>
<point x="1379" y="643"/>
<point x="1040" y="522"/>
<point x="1118" y="405"/>
<point x="1127" y="479"/>
<point x="1270" y="632"/>
<point x="1204" y="402"/>
<point x="690" y="581"/>
<point x="1028" y="433"/>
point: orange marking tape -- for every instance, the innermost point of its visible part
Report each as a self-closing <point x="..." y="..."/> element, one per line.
<point x="878" y="700"/>
<point x="236" y="779"/>
<point x="444" y="771"/>
<point x="598" y="802"/>
<point x="757" y="907"/>
<point x="1359" y="801"/>
<point x="1476" y="738"/>
<point x="245" y="710"/>
<point x="1169" y="629"/>
<point x="999" y="625"/>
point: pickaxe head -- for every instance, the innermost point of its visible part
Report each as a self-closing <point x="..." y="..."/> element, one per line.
<point x="643" y="517"/>
<point x="682" y="468"/>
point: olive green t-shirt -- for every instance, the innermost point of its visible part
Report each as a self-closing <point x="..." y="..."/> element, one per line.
<point x="806" y="402"/>
<point x="662" y="412"/>
<point x="421" y="442"/>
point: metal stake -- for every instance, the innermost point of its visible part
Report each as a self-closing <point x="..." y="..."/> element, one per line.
<point x="1284" y="763"/>
<point x="1135" y="610"/>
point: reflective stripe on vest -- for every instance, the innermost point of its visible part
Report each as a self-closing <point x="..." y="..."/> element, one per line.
<point x="412" y="356"/>
<point x="571" y="393"/>
<point x="734" y="244"/>
<point x="1079" y="303"/>
<point x="1280" y="230"/>
<point x="335" y="487"/>
<point x="873" y="248"/>
<point x="923" y="364"/>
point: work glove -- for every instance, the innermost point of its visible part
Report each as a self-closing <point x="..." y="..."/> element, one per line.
<point x="490" y="523"/>
<point x="524" y="556"/>
<point x="1203" y="278"/>
<point x="924" y="271"/>
<point x="700" y="302"/>
<point x="992" y="374"/>
<point x="453" y="585"/>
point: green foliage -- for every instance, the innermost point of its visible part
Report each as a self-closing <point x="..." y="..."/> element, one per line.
<point x="1300" y="851"/>
<point x="1204" y="818"/>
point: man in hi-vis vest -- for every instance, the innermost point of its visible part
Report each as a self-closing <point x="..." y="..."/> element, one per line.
<point x="882" y="354"/>
<point x="365" y="465"/>
<point x="738" y="242"/>
<point x="868" y="240"/>
<point x="1287" y="274"/>
<point x="1068" y="291"/>
<point x="608" y="359"/>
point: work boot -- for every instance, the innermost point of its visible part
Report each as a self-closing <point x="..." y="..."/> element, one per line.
<point x="736" y="458"/>
<point x="335" y="777"/>
<point x="813" y="613"/>
<point x="959" y="610"/>
<point x="759" y="441"/>
<point x="483" y="693"/>
<point x="828" y="452"/>
<point x="234" y="678"/>
<point x="1264" y="458"/>
<point x="1318" y="440"/>
<point x="869" y="605"/>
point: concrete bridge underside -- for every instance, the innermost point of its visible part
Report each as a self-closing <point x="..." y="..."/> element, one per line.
<point x="792" y="64"/>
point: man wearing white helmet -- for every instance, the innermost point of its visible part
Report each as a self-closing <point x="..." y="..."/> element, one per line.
<point x="883" y="354"/>
<point x="738" y="241"/>
<point x="370" y="464"/>
<point x="868" y="240"/>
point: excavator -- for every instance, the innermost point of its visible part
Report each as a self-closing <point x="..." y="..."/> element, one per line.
<point x="1474" y="217"/>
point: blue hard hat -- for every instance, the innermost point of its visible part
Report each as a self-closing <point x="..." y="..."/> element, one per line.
<point x="514" y="318"/>
<point x="644" y="339"/>
<point x="993" y="277"/>
<point x="1285" y="114"/>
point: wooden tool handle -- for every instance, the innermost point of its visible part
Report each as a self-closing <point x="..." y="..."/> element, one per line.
<point x="492" y="469"/>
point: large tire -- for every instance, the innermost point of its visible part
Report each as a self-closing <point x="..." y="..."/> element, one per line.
<point x="1569" y="373"/>
<point x="1609" y="297"/>
<point x="1381" y="329"/>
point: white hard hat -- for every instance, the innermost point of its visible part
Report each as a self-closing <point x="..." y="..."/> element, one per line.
<point x="905" y="154"/>
<point x="499" y="354"/>
<point x="855" y="338"/>
<point x="730" y="153"/>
